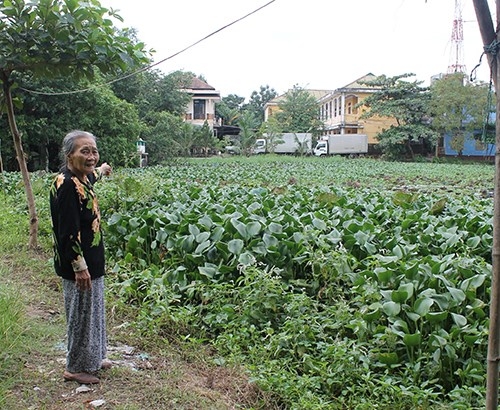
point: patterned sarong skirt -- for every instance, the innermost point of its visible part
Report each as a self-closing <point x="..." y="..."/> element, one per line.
<point x="86" y="326"/>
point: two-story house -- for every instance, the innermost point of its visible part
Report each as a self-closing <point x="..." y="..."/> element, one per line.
<point x="341" y="114"/>
<point x="201" y="108"/>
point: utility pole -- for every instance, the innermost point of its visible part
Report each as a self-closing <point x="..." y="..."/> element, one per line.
<point x="491" y="46"/>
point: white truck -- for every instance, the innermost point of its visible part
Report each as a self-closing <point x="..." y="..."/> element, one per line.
<point x="287" y="143"/>
<point x="341" y="144"/>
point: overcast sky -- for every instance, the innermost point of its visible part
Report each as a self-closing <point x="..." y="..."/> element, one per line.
<point x="321" y="44"/>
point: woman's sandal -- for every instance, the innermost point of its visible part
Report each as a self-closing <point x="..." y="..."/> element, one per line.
<point x="82" y="378"/>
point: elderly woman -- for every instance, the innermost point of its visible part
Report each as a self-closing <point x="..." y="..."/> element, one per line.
<point x="79" y="255"/>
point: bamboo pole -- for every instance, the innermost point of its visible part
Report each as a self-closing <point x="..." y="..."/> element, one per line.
<point x="490" y="37"/>
<point x="492" y="378"/>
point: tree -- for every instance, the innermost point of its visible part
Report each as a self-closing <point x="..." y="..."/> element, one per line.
<point x="408" y="103"/>
<point x="152" y="91"/>
<point x="459" y="107"/>
<point x="248" y="132"/>
<point x="272" y="132"/>
<point x="205" y="138"/>
<point x="258" y="100"/>
<point x="47" y="117"/>
<point x="170" y="90"/>
<point x="233" y="101"/>
<point x="52" y="38"/>
<point x="299" y="112"/>
<point x="185" y="139"/>
<point x="229" y="109"/>
<point x="229" y="116"/>
<point x="160" y="137"/>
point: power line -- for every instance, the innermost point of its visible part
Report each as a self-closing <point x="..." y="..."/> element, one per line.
<point x="154" y="64"/>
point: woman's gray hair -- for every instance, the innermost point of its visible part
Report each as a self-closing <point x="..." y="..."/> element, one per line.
<point x="68" y="144"/>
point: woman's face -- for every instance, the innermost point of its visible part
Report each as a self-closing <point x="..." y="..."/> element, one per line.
<point x="84" y="158"/>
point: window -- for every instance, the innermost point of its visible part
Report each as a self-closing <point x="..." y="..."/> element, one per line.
<point x="199" y="109"/>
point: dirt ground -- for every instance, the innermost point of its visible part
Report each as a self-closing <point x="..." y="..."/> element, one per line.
<point x="146" y="374"/>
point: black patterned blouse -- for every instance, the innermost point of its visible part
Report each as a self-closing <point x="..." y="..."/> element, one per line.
<point x="76" y="225"/>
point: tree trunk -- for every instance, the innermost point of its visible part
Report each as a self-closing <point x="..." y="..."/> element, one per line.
<point x="33" y="227"/>
<point x="1" y="167"/>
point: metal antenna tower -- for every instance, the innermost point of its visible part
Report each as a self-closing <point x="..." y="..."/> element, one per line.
<point x="457" y="38"/>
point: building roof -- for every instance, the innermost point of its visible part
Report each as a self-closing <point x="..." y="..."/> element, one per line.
<point x="358" y="83"/>
<point x="357" y="86"/>
<point x="197" y="84"/>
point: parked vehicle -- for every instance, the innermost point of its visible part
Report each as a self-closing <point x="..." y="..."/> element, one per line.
<point x="288" y="143"/>
<point x="232" y="149"/>
<point x="342" y="144"/>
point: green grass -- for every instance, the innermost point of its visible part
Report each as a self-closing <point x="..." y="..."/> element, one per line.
<point x="12" y="327"/>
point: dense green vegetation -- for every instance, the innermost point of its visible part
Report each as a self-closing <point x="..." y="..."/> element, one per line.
<point x="337" y="283"/>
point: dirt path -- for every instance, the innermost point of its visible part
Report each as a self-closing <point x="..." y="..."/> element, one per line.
<point x="145" y="374"/>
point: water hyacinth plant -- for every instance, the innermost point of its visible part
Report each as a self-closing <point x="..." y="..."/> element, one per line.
<point x="339" y="283"/>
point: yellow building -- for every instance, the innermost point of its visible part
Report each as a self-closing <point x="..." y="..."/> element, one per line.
<point x="340" y="113"/>
<point x="339" y="110"/>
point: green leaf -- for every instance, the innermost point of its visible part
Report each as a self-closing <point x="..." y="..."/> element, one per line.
<point x="436" y="356"/>
<point x="253" y="228"/>
<point x="422" y="305"/>
<point x="436" y="317"/>
<point x="246" y="259"/>
<point x="217" y="234"/>
<point x="391" y="308"/>
<point x="134" y="223"/>
<point x="275" y="228"/>
<point x="388" y="358"/>
<point x="471" y="340"/>
<point x="403" y="198"/>
<point x="412" y="340"/>
<point x="473" y="242"/>
<point x="319" y="224"/>
<point x="473" y="282"/>
<point x="235" y="246"/>
<point x="206" y="221"/>
<point x="457" y="294"/>
<point x="202" y="237"/>
<point x="399" y="296"/>
<point x="438" y="207"/>
<point x="413" y="316"/>
<point x="240" y="227"/>
<point x="270" y="240"/>
<point x="383" y="274"/>
<point x="208" y="271"/>
<point x="193" y="230"/>
<point x="202" y="247"/>
<point x="404" y="292"/>
<point x="408" y="288"/>
<point x="374" y="312"/>
<point x="459" y="320"/>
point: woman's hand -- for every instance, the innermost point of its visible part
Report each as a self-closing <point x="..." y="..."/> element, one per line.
<point x="105" y="169"/>
<point x="83" y="280"/>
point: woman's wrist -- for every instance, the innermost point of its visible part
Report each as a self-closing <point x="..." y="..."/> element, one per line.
<point x="79" y="264"/>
